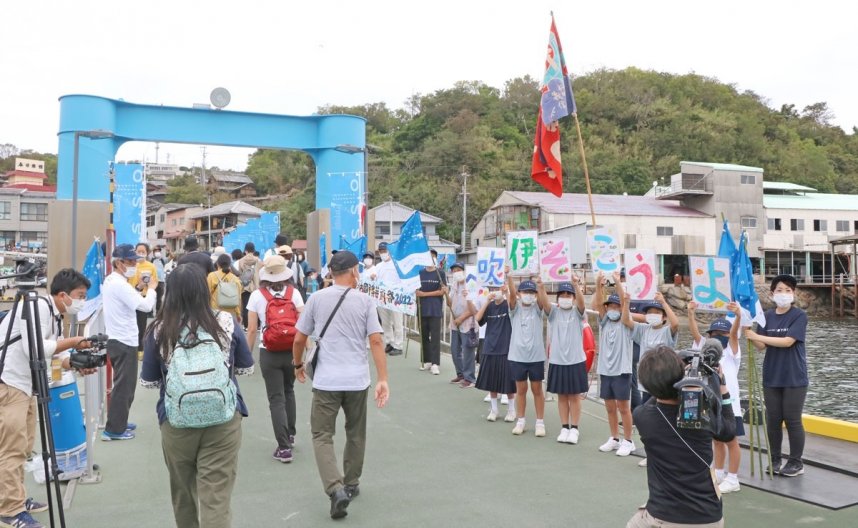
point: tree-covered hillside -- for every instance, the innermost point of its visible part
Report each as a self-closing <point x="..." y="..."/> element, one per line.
<point x="637" y="126"/>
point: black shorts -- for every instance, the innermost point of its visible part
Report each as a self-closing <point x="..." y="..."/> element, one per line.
<point x="616" y="387"/>
<point x="523" y="371"/>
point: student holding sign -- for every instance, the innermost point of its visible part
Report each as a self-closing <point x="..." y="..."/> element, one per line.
<point x="527" y="348"/>
<point x="495" y="376"/>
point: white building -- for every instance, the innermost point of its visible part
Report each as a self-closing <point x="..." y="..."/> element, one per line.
<point x="385" y="223"/>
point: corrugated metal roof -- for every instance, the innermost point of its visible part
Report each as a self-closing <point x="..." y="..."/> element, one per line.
<point x="817" y="201"/>
<point x="231" y="177"/>
<point x="607" y="204"/>
<point x="724" y="166"/>
<point x="400" y="213"/>
<point x="786" y="186"/>
<point x="236" y="207"/>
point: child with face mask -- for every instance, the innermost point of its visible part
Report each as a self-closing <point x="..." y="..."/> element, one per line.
<point x="527" y="348"/>
<point x="495" y="376"/>
<point x="728" y="335"/>
<point x="567" y="364"/>
<point x="614" y="366"/>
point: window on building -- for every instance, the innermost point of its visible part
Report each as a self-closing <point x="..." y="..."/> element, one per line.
<point x="5" y="210"/>
<point x="150" y="221"/>
<point x="749" y="179"/>
<point x="774" y="224"/>
<point x="749" y="222"/>
<point x="34" y="238"/>
<point x="820" y="225"/>
<point x="664" y="230"/>
<point x="843" y="226"/>
<point x="163" y="216"/>
<point x="796" y="224"/>
<point x="382" y="229"/>
<point x="7" y="239"/>
<point x="174" y="222"/>
<point x="855" y="226"/>
<point x="34" y="212"/>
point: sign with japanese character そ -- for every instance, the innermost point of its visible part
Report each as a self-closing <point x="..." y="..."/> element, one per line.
<point x="523" y="253"/>
<point x="710" y="282"/>
<point x="554" y="265"/>
<point x="604" y="249"/>
<point x="641" y="276"/>
<point x="490" y="263"/>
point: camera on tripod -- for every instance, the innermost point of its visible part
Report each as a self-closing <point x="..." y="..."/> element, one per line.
<point x="700" y="389"/>
<point x="93" y="357"/>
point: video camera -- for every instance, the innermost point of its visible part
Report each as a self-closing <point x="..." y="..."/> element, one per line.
<point x="93" y="357"/>
<point x="700" y="389"/>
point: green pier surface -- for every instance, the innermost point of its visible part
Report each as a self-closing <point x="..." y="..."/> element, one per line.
<point x="432" y="460"/>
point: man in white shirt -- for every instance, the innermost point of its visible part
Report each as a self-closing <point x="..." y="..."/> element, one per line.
<point x="391" y="321"/>
<point x="121" y="302"/>
<point x="17" y="404"/>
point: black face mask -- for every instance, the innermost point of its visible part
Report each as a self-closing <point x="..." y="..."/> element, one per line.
<point x="724" y="340"/>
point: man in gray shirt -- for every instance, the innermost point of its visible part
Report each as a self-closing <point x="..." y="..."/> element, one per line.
<point x="341" y="377"/>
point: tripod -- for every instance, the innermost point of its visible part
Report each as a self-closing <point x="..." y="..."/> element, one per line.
<point x="26" y="298"/>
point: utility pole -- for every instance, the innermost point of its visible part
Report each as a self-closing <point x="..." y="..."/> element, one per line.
<point x="464" y="207"/>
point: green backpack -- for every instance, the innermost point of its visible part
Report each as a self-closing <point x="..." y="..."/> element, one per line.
<point x="227" y="294"/>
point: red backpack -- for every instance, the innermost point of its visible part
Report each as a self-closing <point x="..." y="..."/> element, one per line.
<point x="281" y="315"/>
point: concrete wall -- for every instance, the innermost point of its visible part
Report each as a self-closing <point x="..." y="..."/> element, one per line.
<point x="92" y="221"/>
<point x="806" y="239"/>
<point x="318" y="222"/>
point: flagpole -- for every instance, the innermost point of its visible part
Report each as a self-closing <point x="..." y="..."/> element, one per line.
<point x="586" y="171"/>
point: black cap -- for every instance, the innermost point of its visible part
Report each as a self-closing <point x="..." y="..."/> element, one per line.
<point x="125" y="252"/>
<point x="368" y="255"/>
<point x="343" y="261"/>
<point x="282" y="239"/>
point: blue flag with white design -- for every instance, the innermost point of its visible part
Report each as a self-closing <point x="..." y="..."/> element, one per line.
<point x="93" y="270"/>
<point x="410" y="253"/>
<point x="744" y="291"/>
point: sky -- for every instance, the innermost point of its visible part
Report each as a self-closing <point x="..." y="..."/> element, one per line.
<point x="285" y="57"/>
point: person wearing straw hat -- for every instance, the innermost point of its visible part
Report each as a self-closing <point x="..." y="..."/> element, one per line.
<point x="276" y="366"/>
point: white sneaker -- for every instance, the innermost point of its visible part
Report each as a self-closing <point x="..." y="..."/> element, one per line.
<point x="505" y="399"/>
<point x="425" y="366"/>
<point x="488" y="398"/>
<point x="435" y="370"/>
<point x="572" y="437"/>
<point x="729" y="486"/>
<point x="562" y="436"/>
<point x="510" y="416"/>
<point x="626" y="448"/>
<point x="549" y="397"/>
<point x="539" y="430"/>
<point x="492" y="417"/>
<point x="642" y="463"/>
<point x="518" y="429"/>
<point x="610" y="445"/>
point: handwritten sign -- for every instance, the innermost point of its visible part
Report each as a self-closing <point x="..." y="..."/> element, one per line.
<point x="490" y="262"/>
<point x="641" y="276"/>
<point x="710" y="282"/>
<point x="554" y="265"/>
<point x="395" y="299"/>
<point x="523" y="253"/>
<point x="604" y="249"/>
<point x="475" y="289"/>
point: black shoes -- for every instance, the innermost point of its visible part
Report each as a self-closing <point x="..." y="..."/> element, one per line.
<point x="775" y="467"/>
<point x="395" y="352"/>
<point x="352" y="490"/>
<point x="339" y="503"/>
<point x="388" y="348"/>
<point x="792" y="468"/>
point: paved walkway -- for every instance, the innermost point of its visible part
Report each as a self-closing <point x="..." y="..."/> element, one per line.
<point x="432" y="460"/>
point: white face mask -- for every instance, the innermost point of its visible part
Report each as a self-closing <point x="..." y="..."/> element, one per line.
<point x="130" y="271"/>
<point x="385" y="257"/>
<point x="157" y="254"/>
<point x="613" y="315"/>
<point x="654" y="319"/>
<point x="368" y="262"/>
<point x="566" y="303"/>
<point x="783" y="300"/>
<point x="528" y="298"/>
<point x="75" y="307"/>
<point x="459" y="276"/>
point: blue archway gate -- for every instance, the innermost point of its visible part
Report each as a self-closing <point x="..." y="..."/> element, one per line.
<point x="335" y="142"/>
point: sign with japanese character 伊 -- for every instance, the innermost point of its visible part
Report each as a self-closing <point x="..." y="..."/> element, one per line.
<point x="710" y="282"/>
<point x="641" y="276"/>
<point x="604" y="249"/>
<point x="554" y="265"/>
<point x="490" y="263"/>
<point x="523" y="253"/>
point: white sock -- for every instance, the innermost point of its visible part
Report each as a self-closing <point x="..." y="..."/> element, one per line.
<point x="733" y="477"/>
<point x="494" y="402"/>
<point x="540" y="422"/>
<point x="511" y="404"/>
<point x="521" y="422"/>
<point x="720" y="473"/>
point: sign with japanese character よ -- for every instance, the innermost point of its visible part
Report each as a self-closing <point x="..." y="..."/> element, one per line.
<point x="554" y="265"/>
<point x="523" y="253"/>
<point x="490" y="263"/>
<point x="604" y="249"/>
<point x="641" y="276"/>
<point x="710" y="282"/>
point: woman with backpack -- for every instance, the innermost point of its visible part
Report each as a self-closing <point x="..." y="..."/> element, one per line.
<point x="274" y="309"/>
<point x="192" y="354"/>
<point x="225" y="287"/>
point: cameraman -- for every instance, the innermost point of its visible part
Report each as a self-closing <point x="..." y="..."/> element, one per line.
<point x="682" y="489"/>
<point x="17" y="404"/>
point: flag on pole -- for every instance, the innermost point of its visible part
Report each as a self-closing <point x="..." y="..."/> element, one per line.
<point x="557" y="102"/>
<point x="743" y="290"/>
<point x="356" y="246"/>
<point x="93" y="270"/>
<point x="323" y="251"/>
<point x="410" y="253"/>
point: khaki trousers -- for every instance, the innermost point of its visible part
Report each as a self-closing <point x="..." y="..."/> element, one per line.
<point x="643" y="519"/>
<point x="323" y="421"/>
<point x="202" y="464"/>
<point x="17" y="436"/>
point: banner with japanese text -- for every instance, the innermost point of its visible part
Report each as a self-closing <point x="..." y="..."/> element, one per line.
<point x="710" y="282"/>
<point x="395" y="299"/>
<point x="604" y="249"/>
<point x="554" y="264"/>
<point x="490" y="264"/>
<point x="641" y="274"/>
<point x="523" y="253"/>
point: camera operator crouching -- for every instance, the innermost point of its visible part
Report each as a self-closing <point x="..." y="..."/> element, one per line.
<point x="677" y="426"/>
<point x="17" y="403"/>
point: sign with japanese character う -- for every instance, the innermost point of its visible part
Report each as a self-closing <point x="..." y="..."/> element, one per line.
<point x="641" y="276"/>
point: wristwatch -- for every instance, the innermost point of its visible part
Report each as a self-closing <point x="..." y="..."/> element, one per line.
<point x="299" y="365"/>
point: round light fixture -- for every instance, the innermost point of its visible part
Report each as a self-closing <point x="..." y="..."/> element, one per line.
<point x="220" y="98"/>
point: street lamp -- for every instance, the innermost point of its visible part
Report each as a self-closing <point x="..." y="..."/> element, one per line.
<point x="91" y="134"/>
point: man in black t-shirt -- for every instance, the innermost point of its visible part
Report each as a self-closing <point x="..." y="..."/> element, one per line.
<point x="193" y="255"/>
<point x="433" y="286"/>
<point x="681" y="483"/>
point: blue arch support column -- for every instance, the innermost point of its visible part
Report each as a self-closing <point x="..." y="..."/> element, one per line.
<point x="103" y="125"/>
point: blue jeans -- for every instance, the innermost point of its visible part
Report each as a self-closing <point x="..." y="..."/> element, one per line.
<point x="463" y="355"/>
